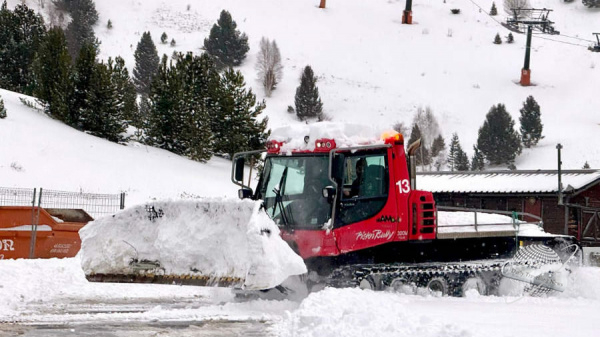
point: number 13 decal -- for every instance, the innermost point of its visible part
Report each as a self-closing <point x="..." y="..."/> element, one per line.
<point x="403" y="186"/>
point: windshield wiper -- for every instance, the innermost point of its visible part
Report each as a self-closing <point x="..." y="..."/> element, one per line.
<point x="279" y="192"/>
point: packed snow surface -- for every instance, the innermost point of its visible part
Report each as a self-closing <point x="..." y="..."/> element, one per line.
<point x="209" y="237"/>
<point x="43" y="291"/>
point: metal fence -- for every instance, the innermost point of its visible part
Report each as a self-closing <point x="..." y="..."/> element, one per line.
<point x="94" y="204"/>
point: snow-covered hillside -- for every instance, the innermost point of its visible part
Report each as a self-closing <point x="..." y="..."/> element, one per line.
<point x="376" y="71"/>
<point x="37" y="151"/>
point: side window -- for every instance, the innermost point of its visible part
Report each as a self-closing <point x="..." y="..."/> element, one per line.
<point x="365" y="190"/>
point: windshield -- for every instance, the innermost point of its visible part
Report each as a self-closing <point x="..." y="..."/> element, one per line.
<point x="291" y="188"/>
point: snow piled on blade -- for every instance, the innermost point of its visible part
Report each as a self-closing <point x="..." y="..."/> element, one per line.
<point x="211" y="237"/>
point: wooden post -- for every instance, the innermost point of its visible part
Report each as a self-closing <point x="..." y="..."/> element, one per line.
<point x="322" y="5"/>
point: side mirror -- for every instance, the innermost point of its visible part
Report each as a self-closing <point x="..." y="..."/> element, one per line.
<point x="244" y="193"/>
<point x="337" y="167"/>
<point x="239" y="169"/>
<point x="329" y="193"/>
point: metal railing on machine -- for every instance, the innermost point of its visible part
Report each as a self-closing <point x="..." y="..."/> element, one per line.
<point x="94" y="204"/>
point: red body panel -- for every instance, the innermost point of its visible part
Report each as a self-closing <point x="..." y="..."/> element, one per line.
<point x="406" y="215"/>
<point x="310" y="243"/>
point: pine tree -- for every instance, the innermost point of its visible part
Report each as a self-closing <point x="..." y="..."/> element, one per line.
<point x="497" y="139"/>
<point x="80" y="30"/>
<point x="586" y="165"/>
<point x="591" y="3"/>
<point x="102" y="114"/>
<point x="238" y="112"/>
<point x="494" y="10"/>
<point x="457" y="158"/>
<point x="438" y="155"/>
<point x="225" y="43"/>
<point x="531" y="123"/>
<point x="165" y="121"/>
<point x="478" y="161"/>
<point x="146" y="64"/>
<point x="510" y="38"/>
<point x="200" y="106"/>
<point x="109" y="25"/>
<point x="21" y="32"/>
<point x="164" y="38"/>
<point x="497" y="39"/>
<point x="52" y="72"/>
<point x="3" y="109"/>
<point x="125" y="92"/>
<point x="437" y="146"/>
<point x="462" y="162"/>
<point x="85" y="66"/>
<point x="422" y="156"/>
<point x="307" y="100"/>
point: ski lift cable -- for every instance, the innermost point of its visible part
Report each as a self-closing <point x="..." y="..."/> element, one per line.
<point x="576" y="38"/>
<point x="568" y="43"/>
<point x="484" y="11"/>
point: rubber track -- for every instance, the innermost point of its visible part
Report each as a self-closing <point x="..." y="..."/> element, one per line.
<point x="352" y="275"/>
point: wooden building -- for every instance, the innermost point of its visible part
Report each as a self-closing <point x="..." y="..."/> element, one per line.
<point x="535" y="192"/>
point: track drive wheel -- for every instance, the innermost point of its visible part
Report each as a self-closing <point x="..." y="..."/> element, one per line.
<point x="476" y="283"/>
<point x="369" y="283"/>
<point x="402" y="286"/>
<point x="438" y="286"/>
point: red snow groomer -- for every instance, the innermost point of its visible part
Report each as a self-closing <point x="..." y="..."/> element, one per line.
<point x="356" y="218"/>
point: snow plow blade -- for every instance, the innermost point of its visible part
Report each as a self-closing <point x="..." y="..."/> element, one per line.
<point x="205" y="242"/>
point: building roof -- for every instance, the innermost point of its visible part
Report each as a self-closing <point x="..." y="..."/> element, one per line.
<point x="527" y="181"/>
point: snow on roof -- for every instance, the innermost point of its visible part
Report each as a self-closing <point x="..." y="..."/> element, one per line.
<point x="344" y="134"/>
<point x="539" y="181"/>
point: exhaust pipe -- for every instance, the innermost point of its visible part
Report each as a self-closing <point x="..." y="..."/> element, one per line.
<point x="412" y="163"/>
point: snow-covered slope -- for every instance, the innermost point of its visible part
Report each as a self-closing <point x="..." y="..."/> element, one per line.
<point x="374" y="70"/>
<point x="37" y="151"/>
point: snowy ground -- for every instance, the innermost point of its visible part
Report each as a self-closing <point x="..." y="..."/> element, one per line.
<point x="372" y="71"/>
<point x="65" y="304"/>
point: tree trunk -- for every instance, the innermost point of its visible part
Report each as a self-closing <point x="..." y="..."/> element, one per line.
<point x="322" y="5"/>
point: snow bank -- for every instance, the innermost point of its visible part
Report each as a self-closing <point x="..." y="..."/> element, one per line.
<point x="211" y="237"/>
<point x="354" y="312"/>
<point x="584" y="282"/>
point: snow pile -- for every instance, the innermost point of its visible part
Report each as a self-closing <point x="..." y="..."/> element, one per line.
<point x="210" y="237"/>
<point x="23" y="281"/>
<point x="344" y="134"/>
<point x="354" y="312"/>
<point x="583" y="283"/>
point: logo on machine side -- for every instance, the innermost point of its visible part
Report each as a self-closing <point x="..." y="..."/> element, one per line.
<point x="389" y="218"/>
<point x="374" y="235"/>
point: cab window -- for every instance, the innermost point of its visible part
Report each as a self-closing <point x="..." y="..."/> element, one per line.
<point x="365" y="186"/>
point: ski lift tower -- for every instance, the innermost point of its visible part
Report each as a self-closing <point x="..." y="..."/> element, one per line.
<point x="533" y="19"/>
<point x="407" y="14"/>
